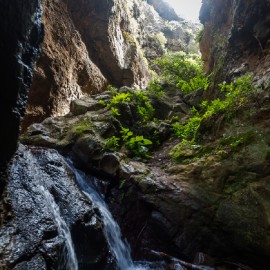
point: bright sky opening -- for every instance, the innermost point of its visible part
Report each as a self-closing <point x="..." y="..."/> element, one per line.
<point x="188" y="9"/>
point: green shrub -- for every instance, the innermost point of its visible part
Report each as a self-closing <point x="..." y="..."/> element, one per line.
<point x="160" y="37"/>
<point x="120" y="99"/>
<point x="199" y="35"/>
<point x="189" y="130"/>
<point x="113" y="90"/>
<point x="236" y="94"/>
<point x="137" y="145"/>
<point x="146" y="112"/>
<point x="182" y="70"/>
<point x="154" y="89"/>
<point x="112" y="143"/>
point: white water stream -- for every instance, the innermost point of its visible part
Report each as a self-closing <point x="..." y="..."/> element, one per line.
<point x="69" y="260"/>
<point x="119" y="248"/>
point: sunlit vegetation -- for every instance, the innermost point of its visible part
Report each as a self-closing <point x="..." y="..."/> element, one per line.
<point x="182" y="70"/>
<point x="184" y="73"/>
<point x="236" y="94"/>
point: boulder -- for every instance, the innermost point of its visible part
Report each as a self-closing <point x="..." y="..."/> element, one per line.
<point x="81" y="106"/>
<point x="41" y="194"/>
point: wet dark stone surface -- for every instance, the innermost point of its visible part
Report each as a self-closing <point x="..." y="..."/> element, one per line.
<point x="21" y="34"/>
<point x="29" y="237"/>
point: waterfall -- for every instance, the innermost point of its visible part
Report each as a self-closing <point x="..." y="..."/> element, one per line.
<point x="119" y="248"/>
<point x="69" y="261"/>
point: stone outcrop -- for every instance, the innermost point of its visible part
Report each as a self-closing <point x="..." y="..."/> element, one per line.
<point x="21" y="34"/>
<point x="236" y="38"/>
<point x="164" y="10"/>
<point x="64" y="70"/>
<point x="42" y="196"/>
<point x="87" y="45"/>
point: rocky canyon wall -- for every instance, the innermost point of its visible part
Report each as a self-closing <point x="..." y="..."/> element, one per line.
<point x="236" y="39"/>
<point x="89" y="44"/>
<point x="21" y="34"/>
<point x="64" y="70"/>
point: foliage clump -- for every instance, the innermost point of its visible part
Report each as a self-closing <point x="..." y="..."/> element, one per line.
<point x="182" y="70"/>
<point x="142" y="114"/>
<point x="235" y="96"/>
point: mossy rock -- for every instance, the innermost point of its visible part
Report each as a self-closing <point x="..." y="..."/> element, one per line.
<point x="245" y="217"/>
<point x="186" y="150"/>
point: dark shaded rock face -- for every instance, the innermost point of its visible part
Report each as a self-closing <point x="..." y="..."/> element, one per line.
<point x="30" y="237"/>
<point x="21" y="34"/>
<point x="236" y="37"/>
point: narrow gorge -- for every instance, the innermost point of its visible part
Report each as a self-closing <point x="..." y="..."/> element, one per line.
<point x="132" y="138"/>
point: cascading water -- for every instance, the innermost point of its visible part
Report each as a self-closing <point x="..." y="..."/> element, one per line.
<point x="118" y="247"/>
<point x="69" y="260"/>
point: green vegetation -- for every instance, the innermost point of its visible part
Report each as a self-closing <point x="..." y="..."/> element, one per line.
<point x="161" y="39"/>
<point x="235" y="96"/>
<point x="154" y="89"/>
<point x="112" y="143"/>
<point x="78" y="129"/>
<point x="134" y="104"/>
<point x="199" y="35"/>
<point x="139" y="128"/>
<point x="138" y="145"/>
<point x="133" y="98"/>
<point x="182" y="70"/>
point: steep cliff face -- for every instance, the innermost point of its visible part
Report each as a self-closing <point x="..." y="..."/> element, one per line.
<point x="164" y="10"/>
<point x="64" y="70"/>
<point x="89" y="44"/>
<point x="236" y="38"/>
<point x="21" y="34"/>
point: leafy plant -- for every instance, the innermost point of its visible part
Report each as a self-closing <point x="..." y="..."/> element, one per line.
<point x="115" y="111"/>
<point x="126" y="133"/>
<point x="199" y="35"/>
<point x="236" y="94"/>
<point x="138" y="146"/>
<point x="183" y="70"/>
<point x="189" y="130"/>
<point x="112" y="143"/>
<point x="112" y="89"/>
<point x="160" y="37"/>
<point x="120" y="99"/>
<point x="146" y="112"/>
<point x="154" y="89"/>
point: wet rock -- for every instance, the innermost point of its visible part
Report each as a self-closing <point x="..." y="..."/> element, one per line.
<point x="37" y="262"/>
<point x="21" y="34"/>
<point x="88" y="149"/>
<point x="38" y="243"/>
<point x="109" y="164"/>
